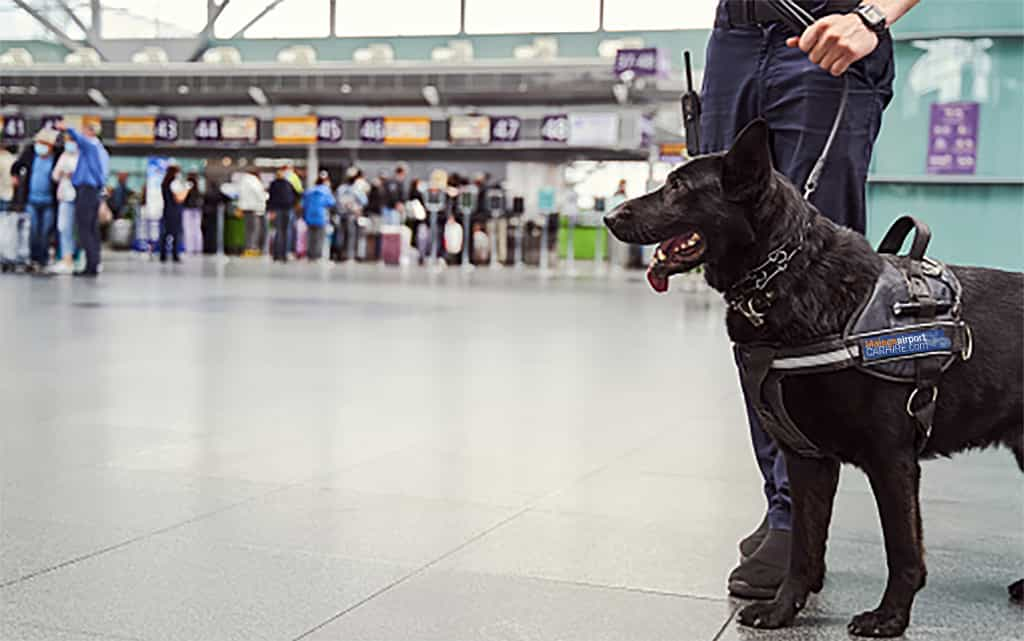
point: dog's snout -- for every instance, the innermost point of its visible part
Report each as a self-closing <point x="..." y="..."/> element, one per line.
<point x="617" y="216"/>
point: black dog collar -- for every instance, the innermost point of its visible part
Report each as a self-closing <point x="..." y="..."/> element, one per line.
<point x="750" y="296"/>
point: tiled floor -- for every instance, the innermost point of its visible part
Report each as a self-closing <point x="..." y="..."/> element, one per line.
<point x="253" y="452"/>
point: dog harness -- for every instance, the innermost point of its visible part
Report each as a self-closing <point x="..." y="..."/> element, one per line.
<point x="908" y="330"/>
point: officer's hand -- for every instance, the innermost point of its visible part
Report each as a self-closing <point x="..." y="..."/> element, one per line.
<point x="835" y="42"/>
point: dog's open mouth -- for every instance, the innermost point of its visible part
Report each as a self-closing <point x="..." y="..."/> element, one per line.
<point x="675" y="256"/>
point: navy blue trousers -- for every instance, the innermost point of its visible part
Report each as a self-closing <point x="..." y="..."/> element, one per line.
<point x="750" y="73"/>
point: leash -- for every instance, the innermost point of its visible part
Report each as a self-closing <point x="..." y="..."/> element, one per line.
<point x="811" y="185"/>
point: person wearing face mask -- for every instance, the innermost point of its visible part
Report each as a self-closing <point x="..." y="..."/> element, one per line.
<point x="63" y="170"/>
<point x="89" y="178"/>
<point x="37" y="192"/>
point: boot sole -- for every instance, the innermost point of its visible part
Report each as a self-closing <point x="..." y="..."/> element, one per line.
<point x="744" y="590"/>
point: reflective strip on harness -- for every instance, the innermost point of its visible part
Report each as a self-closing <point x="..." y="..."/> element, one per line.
<point x="842" y="355"/>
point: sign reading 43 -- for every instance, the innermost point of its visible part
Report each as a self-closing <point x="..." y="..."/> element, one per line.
<point x="166" y="129"/>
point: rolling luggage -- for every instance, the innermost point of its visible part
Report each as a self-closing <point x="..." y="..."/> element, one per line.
<point x="391" y="244"/>
<point x="301" y="237"/>
<point x="14" y="240"/>
<point x="122" y="233"/>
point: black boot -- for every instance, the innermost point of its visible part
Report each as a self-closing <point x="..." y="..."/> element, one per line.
<point x="759" y="576"/>
<point x="753" y="541"/>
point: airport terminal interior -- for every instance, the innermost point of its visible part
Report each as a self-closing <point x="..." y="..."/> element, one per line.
<point x="311" y="325"/>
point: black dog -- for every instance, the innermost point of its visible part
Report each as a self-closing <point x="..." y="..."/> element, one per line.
<point x="728" y="211"/>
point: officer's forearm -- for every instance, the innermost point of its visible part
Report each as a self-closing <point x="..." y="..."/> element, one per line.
<point x="895" y="9"/>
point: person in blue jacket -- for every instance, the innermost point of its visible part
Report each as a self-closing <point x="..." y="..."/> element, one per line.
<point x="89" y="179"/>
<point x="317" y="203"/>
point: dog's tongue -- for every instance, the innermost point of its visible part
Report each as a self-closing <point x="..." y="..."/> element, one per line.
<point x="658" y="283"/>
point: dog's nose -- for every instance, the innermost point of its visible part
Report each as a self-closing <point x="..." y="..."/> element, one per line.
<point x="617" y="216"/>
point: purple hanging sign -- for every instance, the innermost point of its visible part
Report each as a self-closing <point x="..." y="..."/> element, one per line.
<point x="953" y="138"/>
<point x="329" y="129"/>
<point x="505" y="128"/>
<point x="166" y="129"/>
<point x="641" y="62"/>
<point x="371" y="129"/>
<point x="555" y="128"/>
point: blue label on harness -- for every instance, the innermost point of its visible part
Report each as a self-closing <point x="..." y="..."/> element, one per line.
<point x="904" y="344"/>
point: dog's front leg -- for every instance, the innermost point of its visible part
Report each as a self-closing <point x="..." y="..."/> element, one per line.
<point x="812" y="485"/>
<point x="895" y="480"/>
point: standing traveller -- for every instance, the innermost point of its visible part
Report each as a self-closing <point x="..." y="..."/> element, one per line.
<point x="6" y="179"/>
<point x="89" y="177"/>
<point x="62" y="173"/>
<point x="37" y="193"/>
<point x="119" y="196"/>
<point x="192" y="215"/>
<point x="758" y="68"/>
<point x="281" y="201"/>
<point x="252" y="202"/>
<point x="316" y="203"/>
<point x="174" y="192"/>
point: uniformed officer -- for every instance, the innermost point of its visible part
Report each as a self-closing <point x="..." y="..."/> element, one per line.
<point x="756" y="67"/>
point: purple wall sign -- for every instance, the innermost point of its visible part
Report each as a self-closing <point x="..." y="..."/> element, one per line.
<point x="329" y="129"/>
<point x="505" y="128"/>
<point x="14" y="127"/>
<point x="206" y="129"/>
<point x="642" y="62"/>
<point x="371" y="129"/>
<point x="50" y="122"/>
<point x="555" y="128"/>
<point x="953" y="138"/>
<point x="166" y="129"/>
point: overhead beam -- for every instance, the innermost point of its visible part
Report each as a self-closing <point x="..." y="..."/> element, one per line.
<point x="259" y="16"/>
<point x="74" y="18"/>
<point x="62" y="37"/>
<point x="97" y="19"/>
<point x="206" y="35"/>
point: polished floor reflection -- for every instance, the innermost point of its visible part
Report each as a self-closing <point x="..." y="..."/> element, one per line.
<point x="255" y="452"/>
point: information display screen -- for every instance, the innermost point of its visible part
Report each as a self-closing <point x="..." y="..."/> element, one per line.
<point x="469" y="130"/>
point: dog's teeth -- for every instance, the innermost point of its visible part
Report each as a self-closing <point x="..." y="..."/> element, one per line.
<point x="661" y="255"/>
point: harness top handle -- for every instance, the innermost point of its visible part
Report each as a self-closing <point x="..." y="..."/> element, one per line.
<point x="894" y="238"/>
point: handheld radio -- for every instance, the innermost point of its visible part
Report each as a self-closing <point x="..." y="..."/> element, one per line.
<point x="691" y="111"/>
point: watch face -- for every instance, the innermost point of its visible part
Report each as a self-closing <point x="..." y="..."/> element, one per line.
<point x="872" y="13"/>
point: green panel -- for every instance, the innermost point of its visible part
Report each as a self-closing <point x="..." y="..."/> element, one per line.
<point x="995" y="79"/>
<point x="961" y="16"/>
<point x="583" y="241"/>
<point x="41" y="50"/>
<point x="971" y="224"/>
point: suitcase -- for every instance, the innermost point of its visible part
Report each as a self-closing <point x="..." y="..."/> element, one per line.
<point x="391" y="244"/>
<point x="14" y="240"/>
<point x="122" y="234"/>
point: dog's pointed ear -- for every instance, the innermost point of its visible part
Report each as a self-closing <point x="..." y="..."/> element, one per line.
<point x="748" y="163"/>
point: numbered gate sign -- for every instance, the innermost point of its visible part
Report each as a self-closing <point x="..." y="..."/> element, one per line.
<point x="555" y="128"/>
<point x="12" y="127"/>
<point x="50" y="121"/>
<point x="371" y="129"/>
<point x="329" y="129"/>
<point x="505" y="128"/>
<point x="166" y="129"/>
<point x="206" y="129"/>
<point x="641" y="62"/>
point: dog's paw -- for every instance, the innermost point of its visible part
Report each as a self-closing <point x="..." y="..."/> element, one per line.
<point x="1017" y="591"/>
<point x="770" y="615"/>
<point x="879" y="623"/>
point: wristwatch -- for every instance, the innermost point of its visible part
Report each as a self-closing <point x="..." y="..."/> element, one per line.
<point x="872" y="17"/>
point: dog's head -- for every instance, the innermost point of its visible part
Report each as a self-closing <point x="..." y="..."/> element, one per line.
<point x="704" y="213"/>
